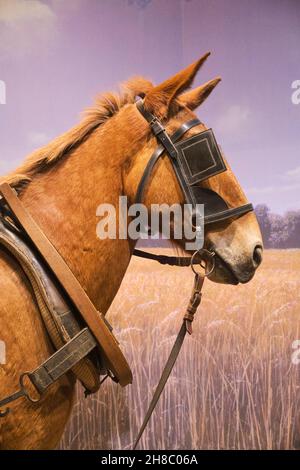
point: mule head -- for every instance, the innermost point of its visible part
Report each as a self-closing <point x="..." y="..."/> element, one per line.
<point x="237" y="243"/>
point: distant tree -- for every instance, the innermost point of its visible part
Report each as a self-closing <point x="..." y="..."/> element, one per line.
<point x="262" y="212"/>
<point x="285" y="230"/>
<point x="292" y="222"/>
<point x="279" y="233"/>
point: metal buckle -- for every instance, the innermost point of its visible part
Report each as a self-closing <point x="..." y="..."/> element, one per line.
<point x="211" y="255"/>
<point x="156" y="126"/>
<point x="23" y="392"/>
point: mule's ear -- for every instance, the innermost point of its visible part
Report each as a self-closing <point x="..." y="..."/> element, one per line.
<point x="158" y="100"/>
<point x="193" y="98"/>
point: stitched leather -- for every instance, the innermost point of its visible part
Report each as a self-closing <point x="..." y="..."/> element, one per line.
<point x="215" y="208"/>
<point x="93" y="319"/>
<point x="157" y="154"/>
<point x="59" y="317"/>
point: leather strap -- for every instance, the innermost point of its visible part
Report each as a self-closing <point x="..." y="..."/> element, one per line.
<point x="158" y="130"/>
<point x="228" y="214"/>
<point x="160" y="149"/>
<point x="167" y="144"/>
<point x="186" y="327"/>
<point x="63" y="360"/>
<point x="94" y="319"/>
<point x="57" y="365"/>
<point x="58" y="316"/>
<point x="181" y="261"/>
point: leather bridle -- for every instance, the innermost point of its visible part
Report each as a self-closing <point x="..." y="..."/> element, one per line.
<point x="218" y="210"/>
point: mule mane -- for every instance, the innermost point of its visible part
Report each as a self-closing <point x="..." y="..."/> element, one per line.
<point x="105" y="106"/>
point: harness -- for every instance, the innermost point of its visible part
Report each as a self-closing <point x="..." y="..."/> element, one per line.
<point x="82" y="338"/>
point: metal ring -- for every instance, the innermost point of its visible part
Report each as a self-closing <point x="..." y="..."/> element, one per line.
<point x="212" y="257"/>
<point x="25" y="391"/>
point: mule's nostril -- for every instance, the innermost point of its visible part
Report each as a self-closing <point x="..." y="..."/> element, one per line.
<point x="257" y="255"/>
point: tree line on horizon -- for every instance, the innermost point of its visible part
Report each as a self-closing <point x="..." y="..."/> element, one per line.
<point x="279" y="231"/>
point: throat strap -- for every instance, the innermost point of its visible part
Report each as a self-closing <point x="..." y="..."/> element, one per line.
<point x="182" y="261"/>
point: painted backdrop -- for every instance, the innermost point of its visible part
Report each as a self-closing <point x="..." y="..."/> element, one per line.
<point x="236" y="384"/>
<point x="55" y="56"/>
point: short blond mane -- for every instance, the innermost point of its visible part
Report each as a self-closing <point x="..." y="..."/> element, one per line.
<point x="105" y="106"/>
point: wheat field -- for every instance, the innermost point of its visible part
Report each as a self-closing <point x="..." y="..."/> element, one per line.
<point x="234" y="385"/>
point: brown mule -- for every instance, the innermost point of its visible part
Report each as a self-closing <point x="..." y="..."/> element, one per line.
<point x="62" y="185"/>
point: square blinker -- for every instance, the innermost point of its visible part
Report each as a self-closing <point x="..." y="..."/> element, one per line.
<point x="200" y="157"/>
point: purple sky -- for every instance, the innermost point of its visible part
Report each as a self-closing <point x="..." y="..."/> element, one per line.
<point x="56" y="55"/>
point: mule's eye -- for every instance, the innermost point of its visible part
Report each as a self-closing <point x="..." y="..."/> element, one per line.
<point x="139" y="96"/>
